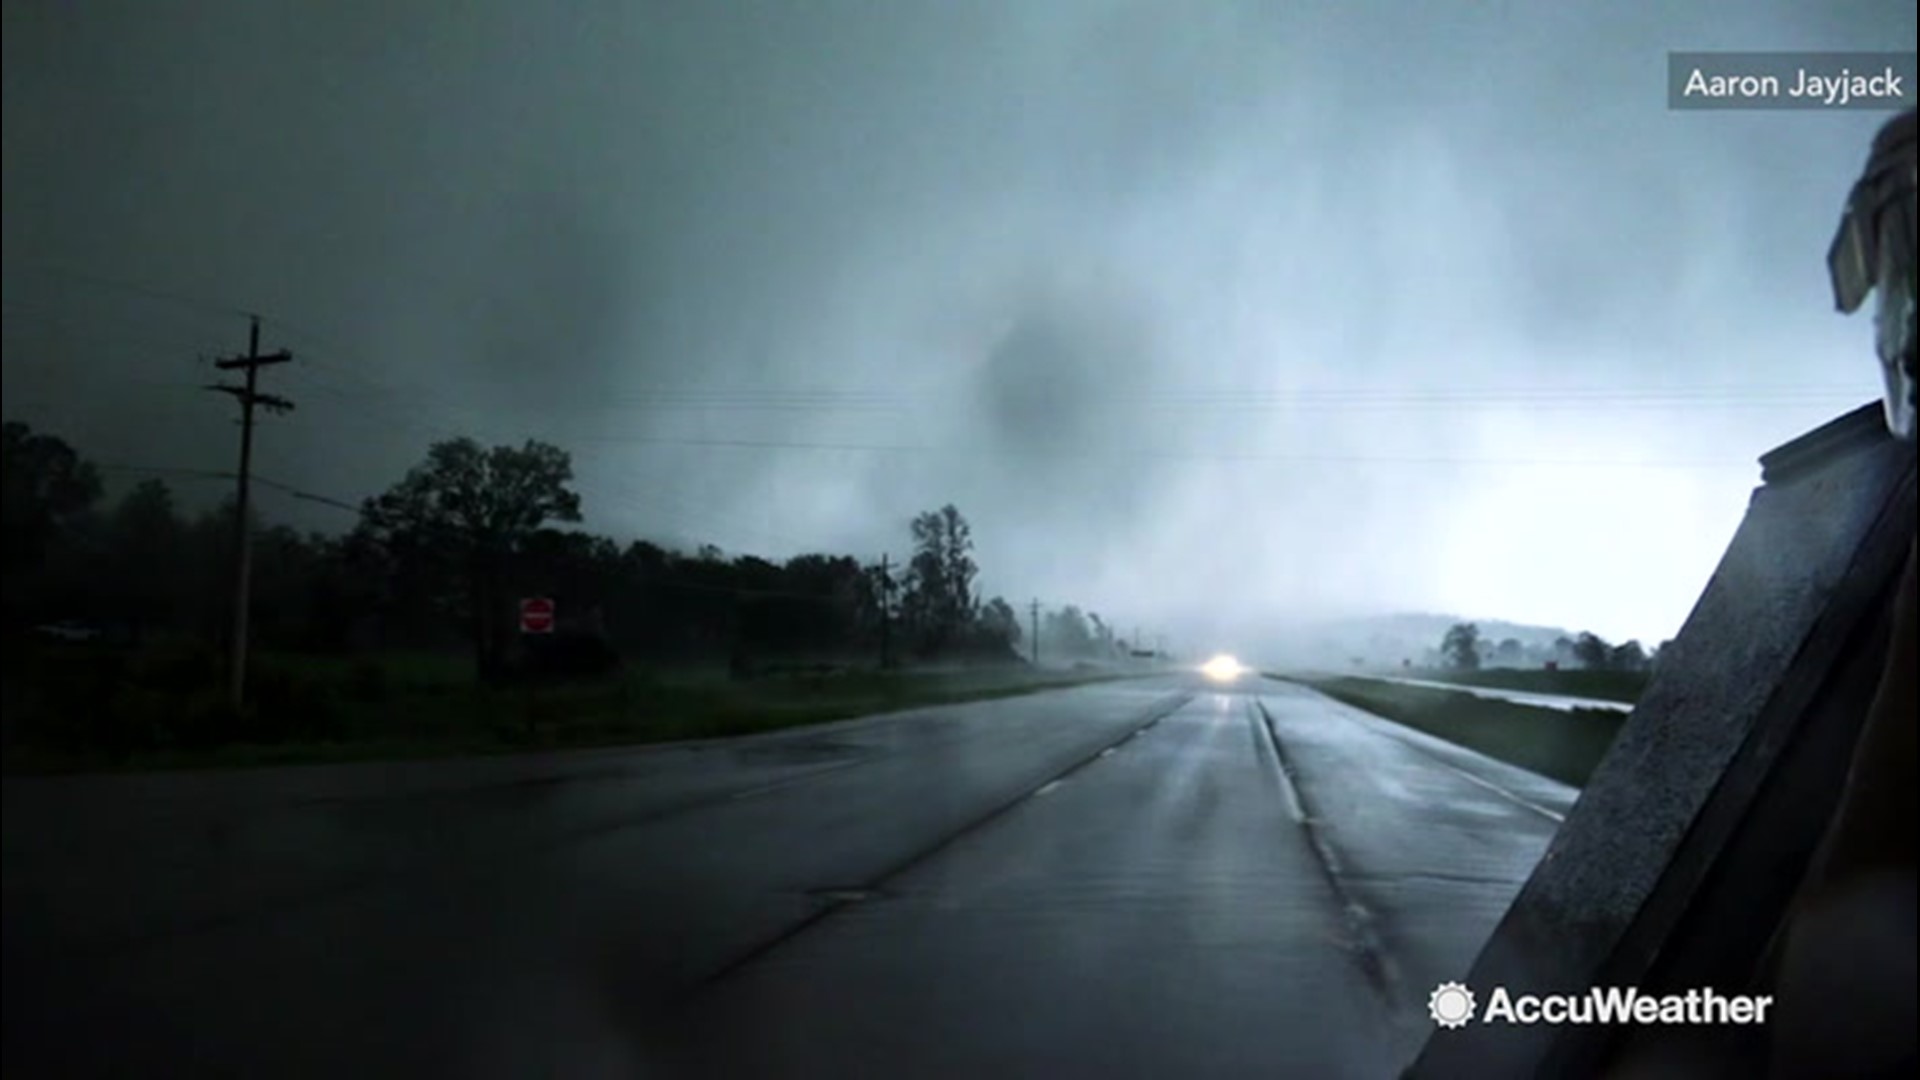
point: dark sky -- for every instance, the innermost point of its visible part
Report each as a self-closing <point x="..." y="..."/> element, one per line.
<point x="1208" y="315"/>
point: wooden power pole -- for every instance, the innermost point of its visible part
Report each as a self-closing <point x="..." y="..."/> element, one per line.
<point x="886" y="614"/>
<point x="249" y="397"/>
<point x="1033" y="620"/>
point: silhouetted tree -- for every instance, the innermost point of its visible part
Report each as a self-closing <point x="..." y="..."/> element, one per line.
<point x="439" y="557"/>
<point x="46" y="490"/>
<point x="143" y="541"/>
<point x="1510" y="652"/>
<point x="285" y="604"/>
<point x="1102" y="634"/>
<point x="1000" y="623"/>
<point x="1460" y="647"/>
<point x="1066" y="632"/>
<point x="1592" y="651"/>
<point x="1658" y="653"/>
<point x="459" y="520"/>
<point x="937" y="605"/>
<point x="1563" y="651"/>
<point x="1630" y="656"/>
<point x="44" y="484"/>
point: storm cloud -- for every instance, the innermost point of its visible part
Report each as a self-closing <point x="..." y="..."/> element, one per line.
<point x="1208" y="315"/>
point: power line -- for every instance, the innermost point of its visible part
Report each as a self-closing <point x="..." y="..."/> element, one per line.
<point x="305" y="496"/>
<point x="1323" y="399"/>
<point x="186" y="473"/>
<point x="1535" y="398"/>
<point x="833" y="400"/>
<point x="619" y="496"/>
<point x="405" y="407"/>
<point x="308" y="496"/>
<point x="832" y="397"/>
<point x="1309" y="459"/>
<point x="166" y="470"/>
<point x="816" y="400"/>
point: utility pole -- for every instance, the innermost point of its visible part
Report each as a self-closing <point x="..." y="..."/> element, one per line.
<point x="886" y="614"/>
<point x="249" y="397"/>
<point x="1034" y="621"/>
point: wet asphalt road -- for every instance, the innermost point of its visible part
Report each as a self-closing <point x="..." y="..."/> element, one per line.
<point x="1149" y="878"/>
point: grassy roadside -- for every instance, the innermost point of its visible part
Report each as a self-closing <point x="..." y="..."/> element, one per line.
<point x="312" y="710"/>
<point x="1563" y="745"/>
<point x="1624" y="686"/>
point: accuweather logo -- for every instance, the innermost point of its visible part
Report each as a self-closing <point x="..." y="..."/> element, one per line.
<point x="1453" y="1005"/>
<point x="1450" y="1005"/>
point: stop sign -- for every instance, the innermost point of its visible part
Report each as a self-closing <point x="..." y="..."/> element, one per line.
<point x="536" y="615"/>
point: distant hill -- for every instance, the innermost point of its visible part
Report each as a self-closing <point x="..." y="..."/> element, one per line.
<point x="1385" y="641"/>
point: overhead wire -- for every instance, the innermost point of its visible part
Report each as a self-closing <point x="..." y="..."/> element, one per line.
<point x="328" y="370"/>
<point x="184" y="472"/>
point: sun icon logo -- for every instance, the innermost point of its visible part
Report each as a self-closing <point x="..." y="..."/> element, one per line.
<point x="1450" y="1005"/>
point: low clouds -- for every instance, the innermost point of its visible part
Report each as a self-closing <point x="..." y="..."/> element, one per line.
<point x="1203" y="311"/>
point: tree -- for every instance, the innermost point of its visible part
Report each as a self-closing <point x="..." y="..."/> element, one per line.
<point x="43" y="483"/>
<point x="1592" y="651"/>
<point x="938" y="603"/>
<point x="1000" y="623"/>
<point x="1563" y="650"/>
<point x="877" y="608"/>
<point x="1066" y="633"/>
<point x="46" y="489"/>
<point x="1658" y="653"/>
<point x="460" y="519"/>
<point x="286" y="606"/>
<point x="143" y="536"/>
<point x="343" y="595"/>
<point x="1460" y="648"/>
<point x="957" y="565"/>
<point x="1510" y="652"/>
<point x="1631" y="656"/>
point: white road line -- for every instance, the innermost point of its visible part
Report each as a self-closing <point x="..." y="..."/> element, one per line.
<point x="1384" y="726"/>
<point x="1553" y="815"/>
<point x="1263" y="727"/>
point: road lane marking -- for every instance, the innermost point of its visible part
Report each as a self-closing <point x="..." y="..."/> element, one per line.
<point x="1381" y="968"/>
<point x="1529" y="804"/>
<point x="1164" y="707"/>
<point x="1295" y="808"/>
<point x="1440" y="759"/>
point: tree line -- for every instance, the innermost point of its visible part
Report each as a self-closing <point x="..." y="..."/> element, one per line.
<point x="442" y="558"/>
<point x="1462" y="648"/>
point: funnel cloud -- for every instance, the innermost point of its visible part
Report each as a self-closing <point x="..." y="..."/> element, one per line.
<point x="1213" y="318"/>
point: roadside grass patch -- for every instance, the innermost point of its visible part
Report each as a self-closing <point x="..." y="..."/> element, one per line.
<point x="1564" y="745"/>
<point x="1624" y="686"/>
<point x="166" y="708"/>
